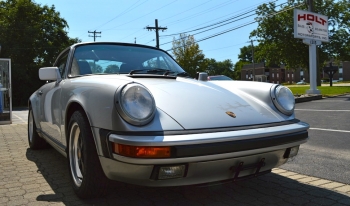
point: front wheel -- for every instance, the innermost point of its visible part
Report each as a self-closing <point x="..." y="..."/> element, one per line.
<point x="86" y="172"/>
<point x="34" y="140"/>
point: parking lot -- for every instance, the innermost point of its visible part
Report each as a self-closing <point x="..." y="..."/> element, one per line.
<point x="41" y="178"/>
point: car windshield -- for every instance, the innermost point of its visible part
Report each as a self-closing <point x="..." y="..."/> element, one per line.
<point x="122" y="59"/>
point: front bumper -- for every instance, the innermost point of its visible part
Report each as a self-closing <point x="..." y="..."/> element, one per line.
<point x="209" y="157"/>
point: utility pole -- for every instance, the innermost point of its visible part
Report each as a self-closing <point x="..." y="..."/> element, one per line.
<point x="311" y="5"/>
<point x="251" y="41"/>
<point x="156" y="28"/>
<point x="94" y="32"/>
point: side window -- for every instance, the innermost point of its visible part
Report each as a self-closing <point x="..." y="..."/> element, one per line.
<point x="62" y="62"/>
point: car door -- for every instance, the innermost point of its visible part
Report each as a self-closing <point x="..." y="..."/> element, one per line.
<point x="50" y="107"/>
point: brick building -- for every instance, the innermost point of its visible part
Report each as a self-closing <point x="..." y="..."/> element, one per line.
<point x="279" y="74"/>
<point x="343" y="73"/>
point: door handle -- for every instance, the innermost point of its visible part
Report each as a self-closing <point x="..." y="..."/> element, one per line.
<point x="40" y="92"/>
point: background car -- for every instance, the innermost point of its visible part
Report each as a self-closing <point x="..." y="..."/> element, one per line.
<point x="218" y="77"/>
<point x="130" y="113"/>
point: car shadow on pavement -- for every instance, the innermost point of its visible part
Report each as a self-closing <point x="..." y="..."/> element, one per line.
<point x="270" y="189"/>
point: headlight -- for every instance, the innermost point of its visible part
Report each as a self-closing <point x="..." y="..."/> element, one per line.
<point x="283" y="99"/>
<point x="135" y="104"/>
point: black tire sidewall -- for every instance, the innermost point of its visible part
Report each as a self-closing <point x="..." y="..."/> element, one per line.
<point x="37" y="142"/>
<point x="94" y="183"/>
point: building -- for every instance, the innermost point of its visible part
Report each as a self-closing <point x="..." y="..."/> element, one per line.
<point x="279" y="74"/>
<point x="343" y="73"/>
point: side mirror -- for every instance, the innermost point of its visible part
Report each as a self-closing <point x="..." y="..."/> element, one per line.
<point x="202" y="76"/>
<point x="50" y="73"/>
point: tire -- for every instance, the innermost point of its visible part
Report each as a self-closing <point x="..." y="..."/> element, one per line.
<point x="34" y="140"/>
<point x="87" y="176"/>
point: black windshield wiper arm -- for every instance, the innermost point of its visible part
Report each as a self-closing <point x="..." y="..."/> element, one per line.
<point x="166" y="71"/>
<point x="136" y="70"/>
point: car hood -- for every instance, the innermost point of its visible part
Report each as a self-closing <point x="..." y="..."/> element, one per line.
<point x="200" y="105"/>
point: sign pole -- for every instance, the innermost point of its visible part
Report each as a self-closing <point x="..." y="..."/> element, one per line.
<point x="312" y="62"/>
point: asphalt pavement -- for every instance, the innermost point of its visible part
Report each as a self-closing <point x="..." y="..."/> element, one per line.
<point x="327" y="152"/>
<point x="41" y="177"/>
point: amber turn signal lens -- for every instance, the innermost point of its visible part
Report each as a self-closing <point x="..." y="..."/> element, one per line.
<point x="141" y="151"/>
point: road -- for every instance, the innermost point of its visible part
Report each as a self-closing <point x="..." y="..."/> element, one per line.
<point x="327" y="153"/>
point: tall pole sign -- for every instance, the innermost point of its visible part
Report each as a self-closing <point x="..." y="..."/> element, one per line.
<point x="313" y="29"/>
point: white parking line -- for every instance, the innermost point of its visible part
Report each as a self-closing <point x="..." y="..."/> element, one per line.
<point x="19" y="118"/>
<point x="322" y="110"/>
<point x="331" y="130"/>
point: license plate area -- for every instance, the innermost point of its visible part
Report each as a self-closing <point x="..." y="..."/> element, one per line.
<point x="255" y="168"/>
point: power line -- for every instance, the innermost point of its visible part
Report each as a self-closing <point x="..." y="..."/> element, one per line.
<point x="248" y="23"/>
<point x="177" y="14"/>
<point x="142" y="16"/>
<point x="186" y="10"/>
<point x="217" y="26"/>
<point x="124" y="12"/>
<point x="217" y="34"/>
<point x="220" y="22"/>
<point x="202" y="12"/>
<point x="225" y="47"/>
<point x="253" y="6"/>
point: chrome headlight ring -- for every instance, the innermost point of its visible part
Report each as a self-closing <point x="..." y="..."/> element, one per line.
<point x="283" y="99"/>
<point x="135" y="104"/>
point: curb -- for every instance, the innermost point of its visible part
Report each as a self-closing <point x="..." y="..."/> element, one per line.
<point x="308" y="98"/>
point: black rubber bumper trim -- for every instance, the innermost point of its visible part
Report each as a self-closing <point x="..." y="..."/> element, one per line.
<point x="237" y="146"/>
<point x="106" y="147"/>
<point x="199" y="131"/>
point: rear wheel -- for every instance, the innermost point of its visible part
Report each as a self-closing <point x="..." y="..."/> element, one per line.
<point x="86" y="172"/>
<point x="34" y="140"/>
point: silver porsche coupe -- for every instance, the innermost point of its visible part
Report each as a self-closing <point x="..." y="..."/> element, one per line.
<point x="130" y="113"/>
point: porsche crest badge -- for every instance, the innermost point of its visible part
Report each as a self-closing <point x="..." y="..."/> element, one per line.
<point x="231" y="114"/>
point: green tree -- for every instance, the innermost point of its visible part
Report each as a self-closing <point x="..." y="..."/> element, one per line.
<point x="113" y="68"/>
<point x="95" y="68"/>
<point x="277" y="44"/>
<point x="210" y="66"/>
<point x="246" y="54"/>
<point x="31" y="35"/>
<point x="188" y="54"/>
<point x="245" y="57"/>
<point x="238" y="68"/>
<point x="214" y="67"/>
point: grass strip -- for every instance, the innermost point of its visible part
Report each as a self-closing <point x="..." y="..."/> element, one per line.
<point x="325" y="91"/>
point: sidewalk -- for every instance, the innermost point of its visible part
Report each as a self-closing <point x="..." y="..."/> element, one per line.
<point x="41" y="178"/>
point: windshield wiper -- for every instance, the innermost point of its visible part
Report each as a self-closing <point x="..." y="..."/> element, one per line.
<point x="166" y="71"/>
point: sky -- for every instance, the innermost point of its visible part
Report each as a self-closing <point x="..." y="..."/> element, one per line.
<point x="125" y="20"/>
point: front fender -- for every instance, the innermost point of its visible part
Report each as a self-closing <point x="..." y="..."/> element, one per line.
<point x="97" y="100"/>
